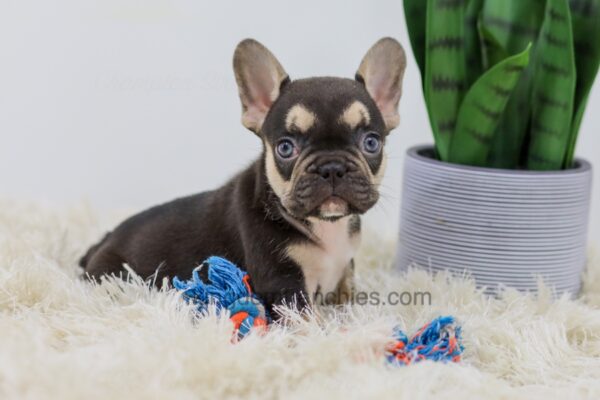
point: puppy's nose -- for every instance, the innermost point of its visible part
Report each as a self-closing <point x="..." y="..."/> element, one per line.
<point x="332" y="170"/>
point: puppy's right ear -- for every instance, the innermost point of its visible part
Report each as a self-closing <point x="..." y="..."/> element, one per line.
<point x="260" y="78"/>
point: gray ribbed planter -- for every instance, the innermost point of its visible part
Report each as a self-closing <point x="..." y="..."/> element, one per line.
<point x="505" y="227"/>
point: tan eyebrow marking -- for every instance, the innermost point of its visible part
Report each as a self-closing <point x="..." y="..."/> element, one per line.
<point x="301" y="118"/>
<point x="355" y="114"/>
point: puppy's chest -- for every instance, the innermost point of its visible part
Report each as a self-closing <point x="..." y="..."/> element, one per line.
<point x="325" y="264"/>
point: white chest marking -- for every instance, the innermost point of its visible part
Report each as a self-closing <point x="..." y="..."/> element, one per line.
<point x="324" y="264"/>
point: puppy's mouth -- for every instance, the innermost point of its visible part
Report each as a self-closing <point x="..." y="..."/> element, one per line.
<point x="333" y="208"/>
<point x="324" y="202"/>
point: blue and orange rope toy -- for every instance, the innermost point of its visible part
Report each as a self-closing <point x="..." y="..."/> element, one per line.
<point x="439" y="340"/>
<point x="228" y="288"/>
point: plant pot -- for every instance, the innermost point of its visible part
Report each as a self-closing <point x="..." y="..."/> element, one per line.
<point x="502" y="227"/>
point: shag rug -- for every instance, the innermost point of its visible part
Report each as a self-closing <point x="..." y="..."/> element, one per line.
<point x="63" y="338"/>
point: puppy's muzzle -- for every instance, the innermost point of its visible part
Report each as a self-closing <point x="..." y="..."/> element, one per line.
<point x="332" y="170"/>
<point x="331" y="186"/>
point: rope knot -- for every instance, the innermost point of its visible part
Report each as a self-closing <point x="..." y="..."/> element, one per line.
<point x="440" y="340"/>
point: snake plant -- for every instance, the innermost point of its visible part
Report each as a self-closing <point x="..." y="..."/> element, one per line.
<point x="506" y="82"/>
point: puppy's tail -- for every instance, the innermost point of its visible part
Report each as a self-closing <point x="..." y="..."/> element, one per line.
<point x="83" y="261"/>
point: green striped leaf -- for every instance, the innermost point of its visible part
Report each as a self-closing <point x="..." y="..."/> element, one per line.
<point x="473" y="50"/>
<point x="482" y="109"/>
<point x="415" y="14"/>
<point x="513" y="24"/>
<point x="445" y="68"/>
<point x="553" y="92"/>
<point x="493" y="52"/>
<point x="585" y="17"/>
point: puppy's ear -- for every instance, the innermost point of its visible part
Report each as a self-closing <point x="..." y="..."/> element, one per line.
<point x="382" y="71"/>
<point x="259" y="78"/>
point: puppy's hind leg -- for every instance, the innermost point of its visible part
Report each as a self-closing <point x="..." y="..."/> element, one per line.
<point x="102" y="261"/>
<point x="84" y="261"/>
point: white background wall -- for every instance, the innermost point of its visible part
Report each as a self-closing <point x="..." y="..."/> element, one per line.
<point x="128" y="103"/>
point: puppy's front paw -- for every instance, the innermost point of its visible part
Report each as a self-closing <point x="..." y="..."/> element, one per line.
<point x="345" y="290"/>
<point x="343" y="293"/>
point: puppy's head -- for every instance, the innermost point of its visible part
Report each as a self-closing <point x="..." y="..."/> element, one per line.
<point x="324" y="137"/>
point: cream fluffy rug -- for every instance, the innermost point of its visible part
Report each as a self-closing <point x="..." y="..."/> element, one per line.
<point x="61" y="338"/>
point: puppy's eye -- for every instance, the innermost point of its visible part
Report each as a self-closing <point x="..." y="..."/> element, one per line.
<point x="286" y="149"/>
<point x="371" y="143"/>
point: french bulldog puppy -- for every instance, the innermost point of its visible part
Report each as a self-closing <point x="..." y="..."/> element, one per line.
<point x="291" y="219"/>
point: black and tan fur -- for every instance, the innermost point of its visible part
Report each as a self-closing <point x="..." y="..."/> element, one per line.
<point x="292" y="223"/>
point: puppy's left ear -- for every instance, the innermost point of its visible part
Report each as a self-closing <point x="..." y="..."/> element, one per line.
<point x="259" y="77"/>
<point x="382" y="71"/>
